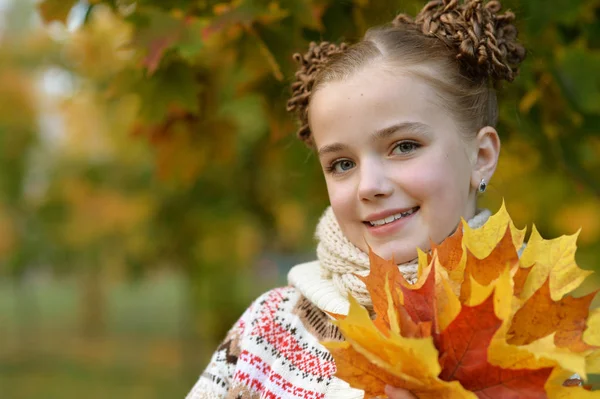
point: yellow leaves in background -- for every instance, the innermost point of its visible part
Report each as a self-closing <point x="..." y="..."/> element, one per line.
<point x="18" y="101"/>
<point x="100" y="49"/>
<point x="479" y="322"/>
<point x="584" y="215"/>
<point x="95" y="129"/>
<point x="290" y="219"/>
<point x="96" y="213"/>
<point x="180" y="153"/>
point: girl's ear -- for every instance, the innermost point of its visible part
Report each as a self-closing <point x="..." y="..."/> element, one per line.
<point x="487" y="151"/>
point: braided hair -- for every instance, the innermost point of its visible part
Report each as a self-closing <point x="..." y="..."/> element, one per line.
<point x="473" y="45"/>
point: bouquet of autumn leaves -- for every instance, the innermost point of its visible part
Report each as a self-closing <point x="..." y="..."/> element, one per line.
<point x="480" y="322"/>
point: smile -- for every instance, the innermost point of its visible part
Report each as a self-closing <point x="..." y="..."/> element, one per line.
<point x="392" y="218"/>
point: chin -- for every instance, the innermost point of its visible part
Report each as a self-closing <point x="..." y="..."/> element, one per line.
<point x="399" y="255"/>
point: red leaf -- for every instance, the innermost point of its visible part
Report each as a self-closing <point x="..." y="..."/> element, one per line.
<point x="464" y="345"/>
<point x="420" y="301"/>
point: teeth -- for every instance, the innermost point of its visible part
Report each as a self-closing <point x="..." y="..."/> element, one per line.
<point x="390" y="219"/>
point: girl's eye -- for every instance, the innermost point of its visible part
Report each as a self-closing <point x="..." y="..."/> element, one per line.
<point x="405" y="147"/>
<point x="341" y="166"/>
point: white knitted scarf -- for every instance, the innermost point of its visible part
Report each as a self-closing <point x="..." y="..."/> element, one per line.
<point x="341" y="261"/>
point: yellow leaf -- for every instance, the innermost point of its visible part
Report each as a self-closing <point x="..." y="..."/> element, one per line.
<point x="556" y="390"/>
<point x="503" y="295"/>
<point x="406" y="356"/>
<point x="423" y="259"/>
<point x="357" y="369"/>
<point x="369" y="360"/>
<point x="477" y="292"/>
<point x="553" y="259"/>
<point x="541" y="353"/>
<point x="483" y="240"/>
<point x="447" y="303"/>
<point x="592" y="334"/>
<point x="592" y="362"/>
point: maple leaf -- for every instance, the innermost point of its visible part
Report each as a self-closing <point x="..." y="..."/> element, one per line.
<point x="157" y="31"/>
<point x="553" y="260"/>
<point x="478" y="325"/>
<point x="592" y="335"/>
<point x="387" y="276"/>
<point x="409" y="363"/>
<point x="482" y="241"/>
<point x="452" y="256"/>
<point x="541" y="316"/>
<point x="464" y="345"/>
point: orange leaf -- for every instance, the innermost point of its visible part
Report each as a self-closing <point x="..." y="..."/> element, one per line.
<point x="450" y="251"/>
<point x="541" y="316"/>
<point x="452" y="257"/>
<point x="384" y="273"/>
<point x="352" y="366"/>
<point x="486" y="270"/>
<point x="520" y="278"/>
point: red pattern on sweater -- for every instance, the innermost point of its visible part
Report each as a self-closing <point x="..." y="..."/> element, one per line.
<point x="273" y="377"/>
<point x="270" y="353"/>
<point x="286" y="343"/>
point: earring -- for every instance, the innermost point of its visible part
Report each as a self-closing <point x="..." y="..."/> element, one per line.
<point x="482" y="186"/>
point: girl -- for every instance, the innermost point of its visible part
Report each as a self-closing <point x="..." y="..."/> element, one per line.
<point x="403" y="125"/>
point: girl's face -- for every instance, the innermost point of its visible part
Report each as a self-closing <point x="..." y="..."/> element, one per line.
<point x="398" y="170"/>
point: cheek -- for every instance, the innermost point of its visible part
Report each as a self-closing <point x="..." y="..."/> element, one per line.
<point x="439" y="177"/>
<point x="341" y="197"/>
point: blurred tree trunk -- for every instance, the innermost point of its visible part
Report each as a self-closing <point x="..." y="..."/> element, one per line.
<point x="198" y="324"/>
<point x="27" y="314"/>
<point x="93" y="300"/>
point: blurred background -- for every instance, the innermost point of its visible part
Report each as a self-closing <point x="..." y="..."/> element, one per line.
<point x="151" y="185"/>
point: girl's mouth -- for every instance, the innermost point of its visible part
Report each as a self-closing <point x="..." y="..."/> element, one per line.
<point x="393" y="218"/>
<point x="390" y="223"/>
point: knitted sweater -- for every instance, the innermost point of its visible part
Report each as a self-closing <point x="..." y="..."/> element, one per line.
<point x="274" y="349"/>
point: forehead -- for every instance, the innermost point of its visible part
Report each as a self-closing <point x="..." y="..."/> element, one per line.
<point x="373" y="99"/>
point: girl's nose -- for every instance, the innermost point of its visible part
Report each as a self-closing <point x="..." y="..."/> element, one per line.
<point x="374" y="182"/>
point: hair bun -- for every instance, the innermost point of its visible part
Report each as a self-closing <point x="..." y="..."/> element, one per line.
<point x="308" y="65"/>
<point x="485" y="40"/>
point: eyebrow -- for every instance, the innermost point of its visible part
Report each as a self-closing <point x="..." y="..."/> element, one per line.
<point x="409" y="127"/>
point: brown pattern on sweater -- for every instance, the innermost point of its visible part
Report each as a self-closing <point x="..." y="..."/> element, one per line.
<point x="242" y="392"/>
<point x="316" y="322"/>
